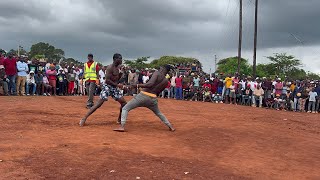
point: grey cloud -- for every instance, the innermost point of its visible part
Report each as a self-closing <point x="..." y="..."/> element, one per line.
<point x="155" y="28"/>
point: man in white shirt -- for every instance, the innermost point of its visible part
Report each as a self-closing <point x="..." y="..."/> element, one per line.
<point x="145" y="78"/>
<point x="102" y="74"/>
<point x="173" y="86"/>
<point x="23" y="69"/>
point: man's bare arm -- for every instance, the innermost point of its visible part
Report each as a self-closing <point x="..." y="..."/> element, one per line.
<point x="151" y="82"/>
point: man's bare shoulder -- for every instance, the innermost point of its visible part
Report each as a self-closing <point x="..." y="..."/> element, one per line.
<point x="110" y="68"/>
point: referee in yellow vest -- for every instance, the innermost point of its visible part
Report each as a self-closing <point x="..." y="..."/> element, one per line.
<point x="91" y="75"/>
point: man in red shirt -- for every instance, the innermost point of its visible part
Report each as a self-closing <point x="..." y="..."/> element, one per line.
<point x="91" y="79"/>
<point x="179" y="87"/>
<point x="10" y="65"/>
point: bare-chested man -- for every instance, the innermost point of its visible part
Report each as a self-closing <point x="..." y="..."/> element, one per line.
<point x="148" y="97"/>
<point x="110" y="88"/>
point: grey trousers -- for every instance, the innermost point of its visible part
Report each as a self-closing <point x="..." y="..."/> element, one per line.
<point x="142" y="100"/>
<point x="90" y="88"/>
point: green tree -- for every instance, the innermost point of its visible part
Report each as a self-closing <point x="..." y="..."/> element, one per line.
<point x="230" y="66"/>
<point x="49" y="51"/>
<point x="284" y="63"/>
<point x="173" y="60"/>
<point x="138" y="63"/>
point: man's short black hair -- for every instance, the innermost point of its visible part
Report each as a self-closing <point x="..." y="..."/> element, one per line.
<point x="117" y="56"/>
<point x="90" y="55"/>
<point x="168" y="67"/>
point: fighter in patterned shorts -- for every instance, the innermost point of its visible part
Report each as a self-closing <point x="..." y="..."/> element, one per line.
<point x="110" y="88"/>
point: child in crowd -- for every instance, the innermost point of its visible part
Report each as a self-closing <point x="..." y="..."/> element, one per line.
<point x="46" y="85"/>
<point x="207" y="95"/>
<point x="71" y="81"/>
<point x="61" y="78"/>
<point x="312" y="101"/>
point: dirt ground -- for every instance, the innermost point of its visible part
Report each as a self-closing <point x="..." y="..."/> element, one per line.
<point x="40" y="139"/>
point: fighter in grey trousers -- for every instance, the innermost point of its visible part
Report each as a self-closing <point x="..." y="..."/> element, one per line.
<point x="148" y="97"/>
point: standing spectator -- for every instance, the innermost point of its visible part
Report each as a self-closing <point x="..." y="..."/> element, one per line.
<point x="267" y="87"/>
<point x="304" y="95"/>
<point x="39" y="82"/>
<point x="173" y="86"/>
<point x="258" y="93"/>
<point x="232" y="94"/>
<point x="52" y="76"/>
<point x="145" y="79"/>
<point x="33" y="65"/>
<point x="10" y="65"/>
<point x="317" y="90"/>
<point x="91" y="74"/>
<point x="178" y="82"/>
<point x="278" y="87"/>
<point x="312" y="101"/>
<point x="61" y="80"/>
<point x="3" y="80"/>
<point x="23" y="69"/>
<point x="131" y="81"/>
<point x="228" y="83"/>
<point x="296" y="96"/>
<point x="71" y="80"/>
<point x="102" y="74"/>
<point x="196" y="83"/>
<point x="31" y="83"/>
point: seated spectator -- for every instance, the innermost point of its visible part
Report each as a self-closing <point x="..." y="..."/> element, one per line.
<point x="246" y="96"/>
<point x="207" y="95"/>
<point x="3" y="80"/>
<point x="257" y="94"/>
<point x="46" y="85"/>
<point x="167" y="89"/>
<point x="270" y="102"/>
<point x="312" y="101"/>
<point x="217" y="98"/>
<point x="31" y="84"/>
<point x="278" y="102"/>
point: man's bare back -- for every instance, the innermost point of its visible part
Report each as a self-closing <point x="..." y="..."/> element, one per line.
<point x="159" y="82"/>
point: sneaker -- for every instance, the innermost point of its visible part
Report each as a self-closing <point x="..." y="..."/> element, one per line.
<point x="44" y="94"/>
<point x="217" y="102"/>
<point x="313" y="112"/>
<point x="309" y="112"/>
<point x="28" y="94"/>
<point x="48" y="94"/>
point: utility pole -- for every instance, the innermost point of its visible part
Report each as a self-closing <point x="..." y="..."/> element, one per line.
<point x="240" y="36"/>
<point x="19" y="51"/>
<point x="255" y="41"/>
<point x="215" y="63"/>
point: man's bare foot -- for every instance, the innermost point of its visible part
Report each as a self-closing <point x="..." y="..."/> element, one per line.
<point x="120" y="129"/>
<point x="82" y="121"/>
<point x="172" y="129"/>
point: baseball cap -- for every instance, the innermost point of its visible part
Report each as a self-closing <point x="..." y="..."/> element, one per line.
<point x="31" y="72"/>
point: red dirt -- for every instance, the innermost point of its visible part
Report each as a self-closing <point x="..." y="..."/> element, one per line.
<point x="212" y="141"/>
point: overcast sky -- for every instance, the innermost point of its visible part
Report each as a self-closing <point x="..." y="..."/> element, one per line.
<point x="135" y="28"/>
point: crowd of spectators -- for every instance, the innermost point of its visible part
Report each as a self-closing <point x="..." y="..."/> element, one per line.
<point x="24" y="77"/>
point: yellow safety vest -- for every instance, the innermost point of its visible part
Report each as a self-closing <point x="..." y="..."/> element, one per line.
<point x="90" y="73"/>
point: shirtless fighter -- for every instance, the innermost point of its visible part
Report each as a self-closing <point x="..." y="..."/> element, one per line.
<point x="148" y="97"/>
<point x="110" y="88"/>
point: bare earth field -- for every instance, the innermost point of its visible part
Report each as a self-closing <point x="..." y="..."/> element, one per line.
<point x="212" y="141"/>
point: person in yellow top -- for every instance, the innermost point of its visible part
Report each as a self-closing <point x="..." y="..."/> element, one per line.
<point x="292" y="86"/>
<point x="91" y="74"/>
<point x="228" y="83"/>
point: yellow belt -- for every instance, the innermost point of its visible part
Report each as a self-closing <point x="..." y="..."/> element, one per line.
<point x="149" y="94"/>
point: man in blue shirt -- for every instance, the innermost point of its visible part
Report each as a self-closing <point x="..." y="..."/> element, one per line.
<point x="23" y="69"/>
<point x="196" y="82"/>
